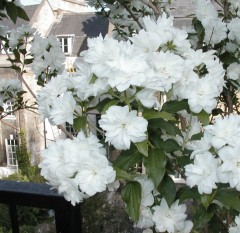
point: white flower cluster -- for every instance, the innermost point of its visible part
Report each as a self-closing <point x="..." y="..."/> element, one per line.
<point x="123" y="127"/>
<point x="48" y="56"/>
<point x="21" y="36"/>
<point x="78" y="168"/>
<point x="215" y="28"/>
<point x="208" y="169"/>
<point x="56" y="102"/>
<point x="171" y="219"/>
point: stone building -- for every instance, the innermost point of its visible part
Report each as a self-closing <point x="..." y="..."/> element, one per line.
<point x="72" y="22"/>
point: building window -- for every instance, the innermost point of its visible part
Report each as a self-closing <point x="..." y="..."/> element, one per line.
<point x="66" y="43"/>
<point x="70" y="129"/>
<point x="11" y="146"/>
<point x="2" y="50"/>
<point x="9" y="109"/>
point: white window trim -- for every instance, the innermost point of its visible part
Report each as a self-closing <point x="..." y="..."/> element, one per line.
<point x="69" y="38"/>
<point x="11" y="151"/>
<point x="9" y="116"/>
<point x="2" y="51"/>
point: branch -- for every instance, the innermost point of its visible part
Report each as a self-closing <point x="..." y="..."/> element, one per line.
<point x="132" y="14"/>
<point x="156" y="11"/>
<point x="61" y="127"/>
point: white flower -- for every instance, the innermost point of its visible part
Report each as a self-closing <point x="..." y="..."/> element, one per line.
<point x="199" y="146"/>
<point x="205" y="11"/>
<point x="49" y="93"/>
<point x="145" y="218"/>
<point x="233" y="71"/>
<point x="48" y="56"/>
<point x="165" y="69"/>
<point x="148" y="98"/>
<point x="17" y="36"/>
<point x="215" y="31"/>
<point x="234" y="31"/>
<point x="236" y="228"/>
<point x="123" y="127"/>
<point x="77" y="168"/>
<point x="203" y="172"/>
<point x="147" y="189"/>
<point x="147" y="231"/>
<point x="225" y="131"/>
<point x="229" y="171"/>
<point x="202" y="95"/>
<point x="171" y="219"/>
<point x="86" y="84"/>
<point x="62" y="109"/>
<point x="128" y="68"/>
<point x="158" y="34"/>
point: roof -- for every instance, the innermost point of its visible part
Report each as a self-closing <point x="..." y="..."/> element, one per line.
<point x="82" y="26"/>
<point x="30" y="10"/>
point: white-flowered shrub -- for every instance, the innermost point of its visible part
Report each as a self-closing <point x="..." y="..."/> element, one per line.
<point x="169" y="103"/>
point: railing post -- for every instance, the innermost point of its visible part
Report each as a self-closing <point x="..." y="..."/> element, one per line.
<point x="68" y="219"/>
<point x="13" y="218"/>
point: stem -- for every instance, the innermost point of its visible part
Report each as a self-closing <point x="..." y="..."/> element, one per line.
<point x="185" y="140"/>
<point x="155" y="9"/>
<point x="93" y="126"/>
<point x="61" y="127"/>
<point x="132" y="15"/>
<point x="228" y="99"/>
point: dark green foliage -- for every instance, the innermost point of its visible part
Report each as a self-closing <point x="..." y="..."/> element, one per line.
<point x="31" y="172"/>
<point x="8" y="9"/>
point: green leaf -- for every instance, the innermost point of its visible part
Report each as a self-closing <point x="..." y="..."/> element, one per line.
<point x="150" y="114"/>
<point x="93" y="79"/>
<point x="80" y="123"/>
<point x="183" y="160"/>
<point x="121" y="174"/>
<point x="131" y="195"/>
<point x="100" y="106"/>
<point x="28" y="61"/>
<point x="229" y="198"/>
<point x="197" y="136"/>
<point x="199" y="28"/>
<point x="168" y="189"/>
<point x="22" y="14"/>
<point x="174" y="106"/>
<point x="12" y="11"/>
<point x="207" y="199"/>
<point x="170" y="145"/>
<point x="227" y="58"/>
<point x="186" y="193"/>
<point x="202" y="216"/>
<point x="155" y="165"/>
<point x="142" y="147"/>
<point x="169" y="127"/>
<point x="109" y="1"/>
<point x="203" y="117"/>
<point x="108" y="105"/>
<point x="128" y="159"/>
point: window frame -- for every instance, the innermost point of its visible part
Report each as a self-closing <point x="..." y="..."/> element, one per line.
<point x="11" y="145"/>
<point x="10" y="109"/>
<point x="68" y="38"/>
<point x="9" y="50"/>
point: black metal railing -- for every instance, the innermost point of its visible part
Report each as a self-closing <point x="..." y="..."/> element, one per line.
<point x="13" y="193"/>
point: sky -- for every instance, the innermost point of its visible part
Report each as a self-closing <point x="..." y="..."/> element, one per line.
<point x="30" y="2"/>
